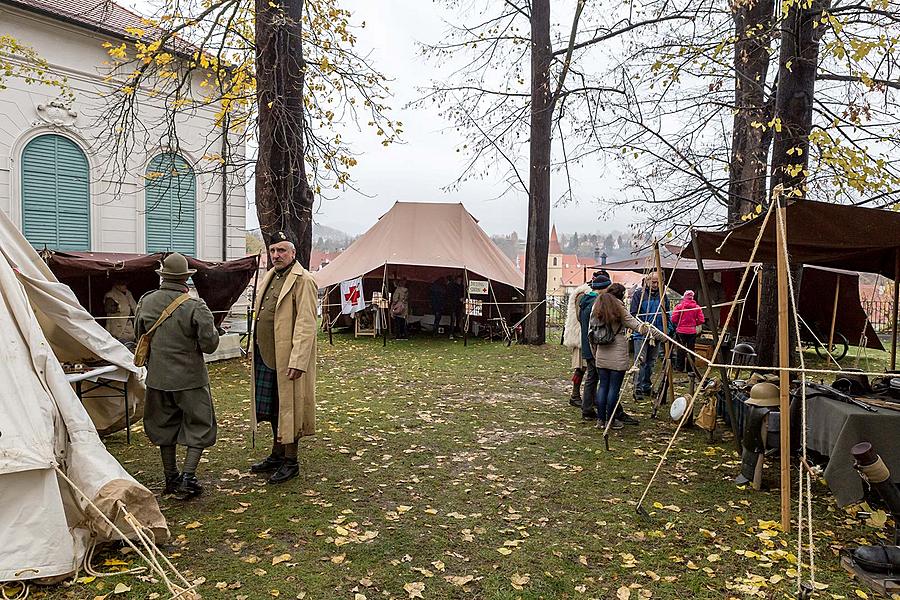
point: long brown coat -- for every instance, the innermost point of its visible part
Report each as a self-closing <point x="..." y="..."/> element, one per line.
<point x="295" y="348"/>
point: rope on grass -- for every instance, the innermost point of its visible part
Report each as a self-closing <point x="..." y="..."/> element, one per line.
<point x="21" y="594"/>
<point x="146" y="538"/>
<point x="709" y="366"/>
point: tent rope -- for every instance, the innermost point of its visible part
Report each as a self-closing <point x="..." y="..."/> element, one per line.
<point x="22" y="594"/>
<point x="184" y="593"/>
<point x="709" y="366"/>
<point x="804" y="480"/>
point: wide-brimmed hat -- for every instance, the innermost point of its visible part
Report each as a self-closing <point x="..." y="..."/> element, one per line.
<point x="764" y="394"/>
<point x="174" y="265"/>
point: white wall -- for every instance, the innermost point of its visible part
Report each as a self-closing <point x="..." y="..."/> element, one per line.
<point x="117" y="207"/>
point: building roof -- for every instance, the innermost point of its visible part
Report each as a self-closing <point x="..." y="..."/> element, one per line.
<point x="104" y="16"/>
<point x="422" y="234"/>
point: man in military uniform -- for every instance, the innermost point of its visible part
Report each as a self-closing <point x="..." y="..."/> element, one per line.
<point x="284" y="359"/>
<point x="119" y="305"/>
<point x="179" y="407"/>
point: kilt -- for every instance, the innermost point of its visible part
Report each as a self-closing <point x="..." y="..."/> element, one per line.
<point x="265" y="381"/>
<point x="185" y="417"/>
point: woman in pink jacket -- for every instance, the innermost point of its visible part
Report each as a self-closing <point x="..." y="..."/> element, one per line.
<point x="688" y="318"/>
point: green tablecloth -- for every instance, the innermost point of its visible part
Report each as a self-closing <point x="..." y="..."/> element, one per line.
<point x="834" y="427"/>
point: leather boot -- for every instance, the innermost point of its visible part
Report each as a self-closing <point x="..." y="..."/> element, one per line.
<point x="172" y="481"/>
<point x="269" y="464"/>
<point x="287" y="471"/>
<point x="188" y="488"/>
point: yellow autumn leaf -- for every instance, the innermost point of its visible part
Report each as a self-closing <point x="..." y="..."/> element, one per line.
<point x="458" y="580"/>
<point x="414" y="589"/>
<point x="862" y="594"/>
<point x="504" y="551"/>
<point x="121" y="588"/>
<point x="623" y="593"/>
<point x="519" y="581"/>
<point x="280" y="558"/>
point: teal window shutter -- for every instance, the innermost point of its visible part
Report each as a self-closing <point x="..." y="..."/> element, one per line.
<point x="171" y="205"/>
<point x="56" y="194"/>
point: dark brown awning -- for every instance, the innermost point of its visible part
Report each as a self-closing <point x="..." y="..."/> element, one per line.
<point x="90" y="275"/>
<point x="819" y="233"/>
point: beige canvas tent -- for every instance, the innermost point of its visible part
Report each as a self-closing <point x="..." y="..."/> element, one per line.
<point x="53" y="466"/>
<point x="72" y="332"/>
<point x="421" y="242"/>
<point x="423" y="234"/>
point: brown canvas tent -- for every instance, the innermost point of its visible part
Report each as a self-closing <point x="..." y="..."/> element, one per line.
<point x="816" y="301"/>
<point x="422" y="241"/>
<point x="818" y="233"/>
<point x="90" y="276"/>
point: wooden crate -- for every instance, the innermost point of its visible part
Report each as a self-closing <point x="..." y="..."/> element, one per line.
<point x="706" y="351"/>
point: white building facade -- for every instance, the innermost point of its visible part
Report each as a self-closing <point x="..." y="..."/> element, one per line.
<point x="56" y="182"/>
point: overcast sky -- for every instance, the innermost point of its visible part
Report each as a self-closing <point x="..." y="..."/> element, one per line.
<point x="427" y="160"/>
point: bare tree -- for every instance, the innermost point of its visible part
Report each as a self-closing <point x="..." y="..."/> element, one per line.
<point x="501" y="110"/>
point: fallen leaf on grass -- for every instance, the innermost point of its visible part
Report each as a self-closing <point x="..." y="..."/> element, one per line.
<point x="458" y="580"/>
<point x="193" y="525"/>
<point x="280" y="559"/>
<point x="519" y="581"/>
<point x="623" y="593"/>
<point x="414" y="589"/>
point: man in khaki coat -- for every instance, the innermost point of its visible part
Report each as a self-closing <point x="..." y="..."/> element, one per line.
<point x="284" y="359"/>
<point x="179" y="407"/>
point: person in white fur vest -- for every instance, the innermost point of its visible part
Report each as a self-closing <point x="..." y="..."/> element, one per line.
<point x="572" y="340"/>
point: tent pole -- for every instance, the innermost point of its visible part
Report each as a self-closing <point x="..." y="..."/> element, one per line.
<point x="328" y="315"/>
<point x="468" y="303"/>
<point x="667" y="362"/>
<point x="837" y="292"/>
<point x="784" y="361"/>
<point x="381" y="311"/>
<point x="896" y="312"/>
<point x="714" y="326"/>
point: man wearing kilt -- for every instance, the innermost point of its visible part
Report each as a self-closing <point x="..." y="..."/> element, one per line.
<point x="284" y="359"/>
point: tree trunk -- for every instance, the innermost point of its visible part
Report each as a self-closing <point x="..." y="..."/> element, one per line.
<point x="538" y="241"/>
<point x="790" y="146"/>
<point x="283" y="197"/>
<point x="749" y="145"/>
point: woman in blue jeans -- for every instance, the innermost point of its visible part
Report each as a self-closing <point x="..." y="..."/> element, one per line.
<point x="611" y="320"/>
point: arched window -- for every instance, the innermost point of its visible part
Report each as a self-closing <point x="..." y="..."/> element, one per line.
<point x="56" y="194"/>
<point x="171" y="204"/>
<point x="554" y="261"/>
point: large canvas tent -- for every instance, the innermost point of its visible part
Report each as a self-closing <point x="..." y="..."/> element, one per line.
<point x="48" y="527"/>
<point x="816" y="298"/>
<point x="74" y="335"/>
<point x="422" y="241"/>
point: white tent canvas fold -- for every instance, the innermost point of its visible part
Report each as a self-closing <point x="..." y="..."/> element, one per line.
<point x="426" y="234"/>
<point x="72" y="332"/>
<point x="47" y="526"/>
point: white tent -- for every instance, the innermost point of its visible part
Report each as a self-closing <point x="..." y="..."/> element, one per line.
<point x="48" y="526"/>
<point x="72" y="331"/>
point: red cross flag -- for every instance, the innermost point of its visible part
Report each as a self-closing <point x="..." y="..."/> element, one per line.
<point x="352" y="298"/>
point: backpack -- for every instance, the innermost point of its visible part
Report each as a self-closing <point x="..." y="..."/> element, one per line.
<point x="601" y="334"/>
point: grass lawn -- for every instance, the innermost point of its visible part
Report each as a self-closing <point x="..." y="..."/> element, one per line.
<point x="443" y="471"/>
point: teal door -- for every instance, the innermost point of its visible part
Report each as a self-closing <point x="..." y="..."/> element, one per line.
<point x="171" y="205"/>
<point x="56" y="194"/>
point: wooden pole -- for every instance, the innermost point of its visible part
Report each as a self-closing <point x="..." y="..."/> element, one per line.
<point x="837" y="293"/>
<point x="714" y="327"/>
<point x="667" y="364"/>
<point x="896" y="312"/>
<point x="784" y="361"/>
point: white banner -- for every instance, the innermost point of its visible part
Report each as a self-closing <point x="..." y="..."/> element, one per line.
<point x="478" y="288"/>
<point x="352" y="298"/>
